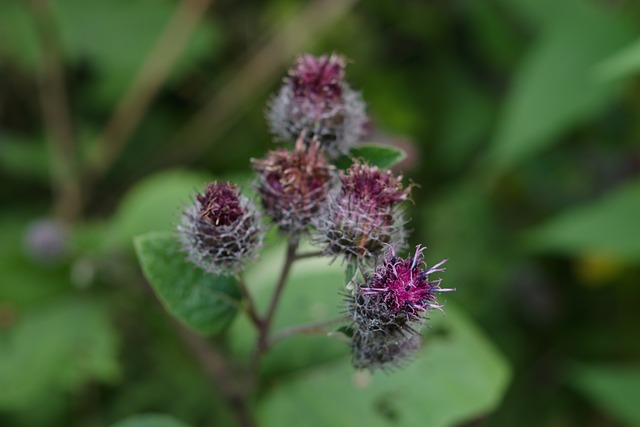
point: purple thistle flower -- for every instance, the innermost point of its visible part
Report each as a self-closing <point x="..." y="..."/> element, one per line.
<point x="294" y="185"/>
<point x="403" y="285"/>
<point x="316" y="100"/>
<point x="388" y="310"/>
<point x="318" y="78"/>
<point x="221" y="231"/>
<point x="363" y="215"/>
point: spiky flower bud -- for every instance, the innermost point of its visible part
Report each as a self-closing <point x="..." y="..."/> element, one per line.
<point x="383" y="351"/>
<point x="316" y="100"/>
<point x="388" y="310"/>
<point x="221" y="231"/>
<point x="294" y="185"/>
<point x="363" y="215"/>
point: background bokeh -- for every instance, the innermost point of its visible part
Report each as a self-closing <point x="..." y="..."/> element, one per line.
<point x="521" y="120"/>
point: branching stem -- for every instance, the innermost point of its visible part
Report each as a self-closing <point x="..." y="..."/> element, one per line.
<point x="262" y="341"/>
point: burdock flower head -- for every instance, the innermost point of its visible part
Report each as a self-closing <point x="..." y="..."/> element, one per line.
<point x="316" y="100"/>
<point x="221" y="231"/>
<point x="388" y="310"/>
<point x="364" y="214"/>
<point x="294" y="185"/>
<point x="404" y="285"/>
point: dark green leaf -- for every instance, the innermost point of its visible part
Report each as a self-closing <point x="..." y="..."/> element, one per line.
<point x="347" y="331"/>
<point x="150" y="420"/>
<point x="553" y="90"/>
<point x="382" y="156"/>
<point x="205" y="302"/>
<point x="608" y="227"/>
<point x="615" y="389"/>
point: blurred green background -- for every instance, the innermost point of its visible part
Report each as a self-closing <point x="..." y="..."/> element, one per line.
<point x="521" y="119"/>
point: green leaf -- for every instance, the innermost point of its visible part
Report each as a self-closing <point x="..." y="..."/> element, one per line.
<point x="615" y="389"/>
<point x="204" y="302"/>
<point x="623" y="63"/>
<point x="457" y="377"/>
<point x="154" y="204"/>
<point x="554" y="90"/>
<point x="150" y="420"/>
<point x="54" y="348"/>
<point x="608" y="227"/>
<point x="382" y="156"/>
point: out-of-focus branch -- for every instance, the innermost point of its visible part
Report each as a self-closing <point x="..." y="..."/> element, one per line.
<point x="251" y="78"/>
<point x="216" y="368"/>
<point x="150" y="78"/>
<point x="56" y="115"/>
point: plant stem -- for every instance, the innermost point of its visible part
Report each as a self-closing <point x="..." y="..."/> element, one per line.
<point x="314" y="328"/>
<point x="262" y="342"/>
<point x="56" y="115"/>
<point x="217" y="368"/>
<point x="309" y="255"/>
<point x="250" y="304"/>
<point x="275" y="299"/>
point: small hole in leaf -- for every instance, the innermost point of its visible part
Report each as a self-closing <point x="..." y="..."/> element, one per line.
<point x="386" y="407"/>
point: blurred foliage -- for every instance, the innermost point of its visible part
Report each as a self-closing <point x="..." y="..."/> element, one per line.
<point x="150" y="421"/>
<point x="520" y="122"/>
<point x="613" y="388"/>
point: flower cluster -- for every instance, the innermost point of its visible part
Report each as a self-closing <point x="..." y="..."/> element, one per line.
<point x="388" y="310"/>
<point x="316" y="101"/>
<point x="363" y="215"/>
<point x="222" y="230"/>
<point x="355" y="214"/>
